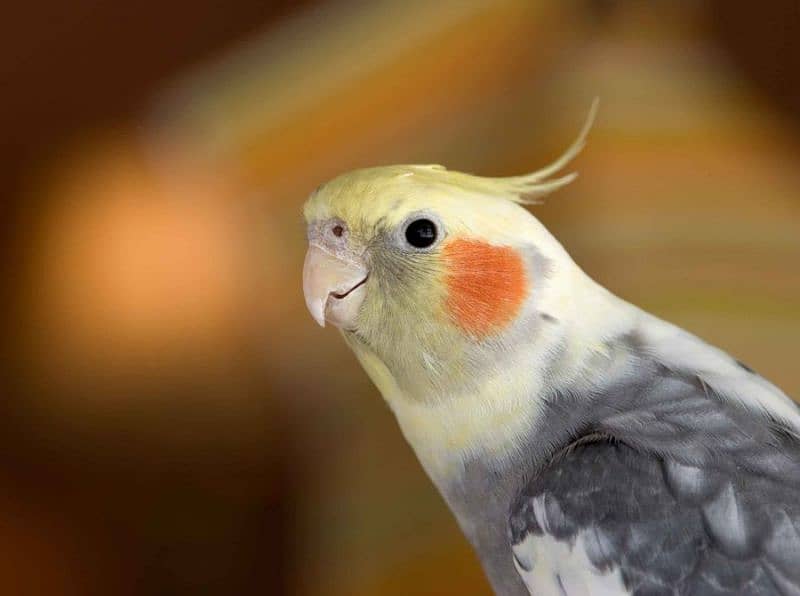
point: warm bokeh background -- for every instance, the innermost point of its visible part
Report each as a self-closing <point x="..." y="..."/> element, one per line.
<point x="172" y="419"/>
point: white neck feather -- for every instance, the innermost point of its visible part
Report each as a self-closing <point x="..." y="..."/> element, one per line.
<point x="490" y="421"/>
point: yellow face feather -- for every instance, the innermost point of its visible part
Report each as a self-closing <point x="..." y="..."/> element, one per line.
<point x="436" y="328"/>
<point x="422" y="308"/>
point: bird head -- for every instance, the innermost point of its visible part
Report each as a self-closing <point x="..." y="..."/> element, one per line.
<point x="426" y="269"/>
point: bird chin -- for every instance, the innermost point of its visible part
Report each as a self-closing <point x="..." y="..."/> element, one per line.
<point x="343" y="311"/>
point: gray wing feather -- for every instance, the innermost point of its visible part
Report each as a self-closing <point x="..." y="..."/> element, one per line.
<point x="681" y="490"/>
<point x="669" y="527"/>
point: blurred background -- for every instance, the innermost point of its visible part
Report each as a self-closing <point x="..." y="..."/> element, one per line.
<point x="172" y="419"/>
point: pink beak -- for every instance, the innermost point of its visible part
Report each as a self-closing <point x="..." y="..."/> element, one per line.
<point x="333" y="287"/>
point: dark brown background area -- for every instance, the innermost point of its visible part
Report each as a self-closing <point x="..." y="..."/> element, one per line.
<point x="71" y="66"/>
<point x="173" y="422"/>
<point x="68" y="67"/>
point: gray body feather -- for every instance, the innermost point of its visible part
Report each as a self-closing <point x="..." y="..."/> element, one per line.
<point x="672" y="486"/>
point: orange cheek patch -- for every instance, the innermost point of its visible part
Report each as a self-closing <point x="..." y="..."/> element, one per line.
<point x="486" y="285"/>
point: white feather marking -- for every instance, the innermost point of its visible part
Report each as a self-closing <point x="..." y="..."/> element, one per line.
<point x="552" y="567"/>
<point x="726" y="521"/>
<point x="540" y="513"/>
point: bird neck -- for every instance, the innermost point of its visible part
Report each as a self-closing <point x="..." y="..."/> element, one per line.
<point x="492" y="403"/>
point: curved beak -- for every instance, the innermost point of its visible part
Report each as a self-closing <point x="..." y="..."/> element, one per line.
<point x="333" y="287"/>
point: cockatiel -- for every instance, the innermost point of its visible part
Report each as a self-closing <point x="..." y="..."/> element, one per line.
<point x="584" y="446"/>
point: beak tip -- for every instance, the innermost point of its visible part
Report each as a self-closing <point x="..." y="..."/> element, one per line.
<point x="317" y="311"/>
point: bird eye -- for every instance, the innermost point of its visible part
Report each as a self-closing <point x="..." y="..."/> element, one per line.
<point x="338" y="231"/>
<point x="421" y="233"/>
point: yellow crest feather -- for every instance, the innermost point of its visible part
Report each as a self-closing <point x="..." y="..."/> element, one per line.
<point x="528" y="188"/>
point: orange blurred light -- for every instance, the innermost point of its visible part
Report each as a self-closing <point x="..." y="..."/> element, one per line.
<point x="137" y="266"/>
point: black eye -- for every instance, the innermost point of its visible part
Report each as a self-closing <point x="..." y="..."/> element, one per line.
<point x="421" y="233"/>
